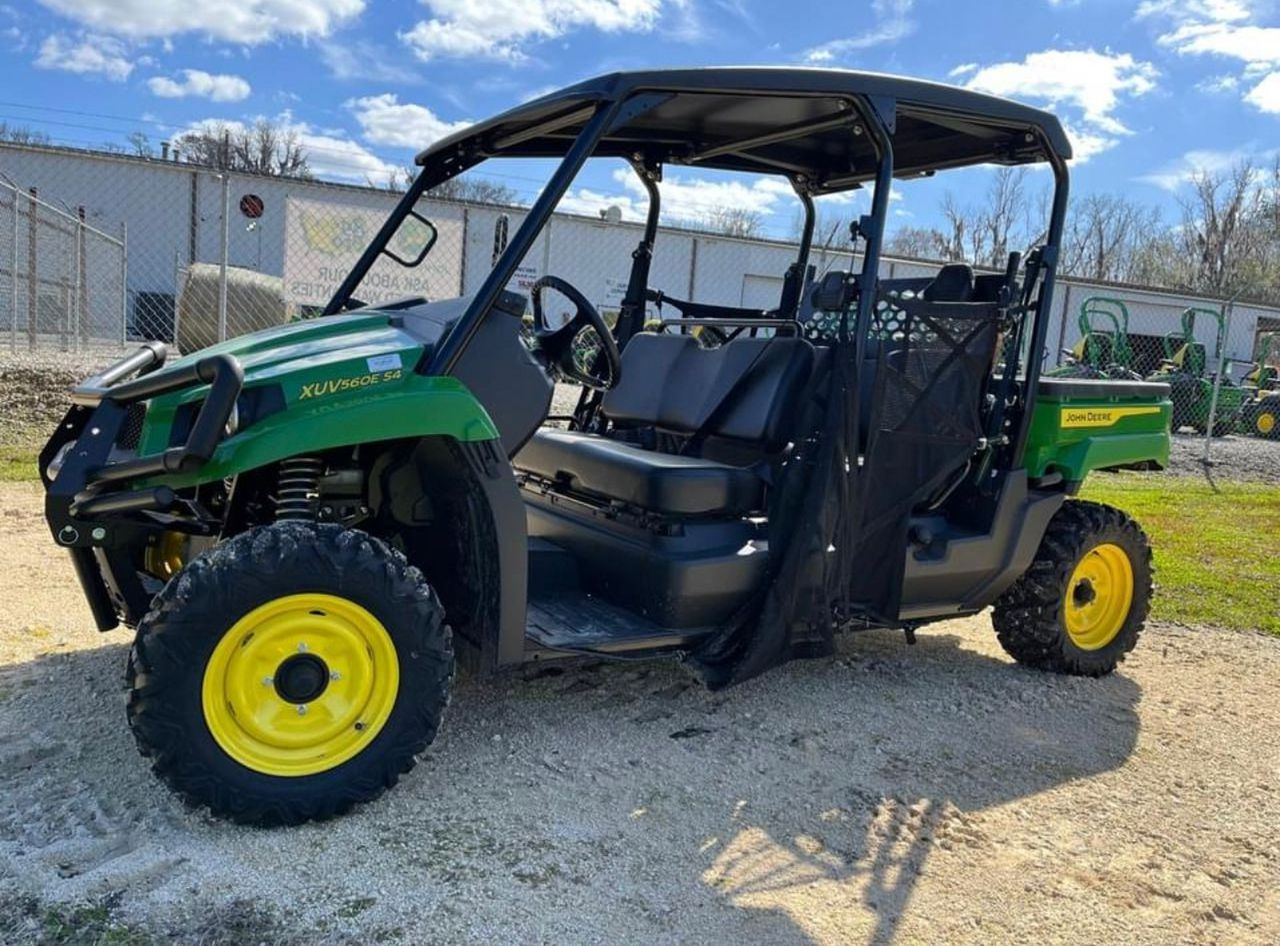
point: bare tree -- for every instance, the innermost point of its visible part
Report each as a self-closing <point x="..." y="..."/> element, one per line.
<point x="141" y="144"/>
<point x="475" y="190"/>
<point x="1222" y="226"/>
<point x="926" y="243"/>
<point x="265" y="148"/>
<point x="734" y="221"/>
<point x="1105" y="236"/>
<point x="19" y="135"/>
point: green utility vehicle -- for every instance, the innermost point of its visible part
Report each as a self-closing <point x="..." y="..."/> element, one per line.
<point x="310" y="525"/>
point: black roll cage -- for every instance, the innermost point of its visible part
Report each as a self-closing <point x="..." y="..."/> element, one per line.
<point x="875" y="114"/>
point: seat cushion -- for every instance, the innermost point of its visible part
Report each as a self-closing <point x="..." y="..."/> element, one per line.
<point x="747" y="390"/>
<point x="662" y="482"/>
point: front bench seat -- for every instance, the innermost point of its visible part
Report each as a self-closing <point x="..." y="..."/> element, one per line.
<point x="673" y="385"/>
<point x="661" y="482"/>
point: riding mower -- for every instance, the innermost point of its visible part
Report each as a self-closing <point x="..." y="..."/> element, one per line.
<point x="310" y="526"/>
<point x="1261" y="413"/>
<point x="1100" y="353"/>
<point x="1192" y="384"/>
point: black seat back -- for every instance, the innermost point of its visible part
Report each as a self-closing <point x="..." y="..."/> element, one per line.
<point x="671" y="383"/>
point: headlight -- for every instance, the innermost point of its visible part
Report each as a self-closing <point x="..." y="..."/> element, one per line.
<point x="59" y="458"/>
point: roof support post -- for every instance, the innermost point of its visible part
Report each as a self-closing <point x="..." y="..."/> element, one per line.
<point x="446" y="357"/>
<point x="872" y="230"/>
<point x="631" y="312"/>
<point x="1049" y="268"/>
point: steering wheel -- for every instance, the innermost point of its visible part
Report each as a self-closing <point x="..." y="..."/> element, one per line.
<point x="561" y="346"/>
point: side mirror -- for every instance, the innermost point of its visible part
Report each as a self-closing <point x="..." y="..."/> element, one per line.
<point x="413" y="240"/>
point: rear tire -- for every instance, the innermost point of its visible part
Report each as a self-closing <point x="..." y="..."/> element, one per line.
<point x="290" y="673"/>
<point x="1081" y="606"/>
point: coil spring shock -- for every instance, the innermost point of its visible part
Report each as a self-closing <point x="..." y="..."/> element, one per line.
<point x="297" y="488"/>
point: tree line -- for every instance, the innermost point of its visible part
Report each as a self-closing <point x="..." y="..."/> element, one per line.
<point x="1223" y="240"/>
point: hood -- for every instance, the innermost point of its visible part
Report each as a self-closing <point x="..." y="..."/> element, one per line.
<point x="312" y="344"/>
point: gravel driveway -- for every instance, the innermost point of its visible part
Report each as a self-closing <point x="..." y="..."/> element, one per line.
<point x="931" y="794"/>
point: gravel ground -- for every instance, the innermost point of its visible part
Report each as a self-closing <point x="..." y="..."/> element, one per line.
<point x="933" y="794"/>
<point x="33" y="391"/>
<point x="1232" y="457"/>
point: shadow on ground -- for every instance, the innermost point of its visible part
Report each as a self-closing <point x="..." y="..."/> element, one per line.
<point x="800" y="807"/>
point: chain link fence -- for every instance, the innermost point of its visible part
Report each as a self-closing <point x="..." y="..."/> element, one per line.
<point x="1220" y="359"/>
<point x="62" y="280"/>
<point x="101" y="250"/>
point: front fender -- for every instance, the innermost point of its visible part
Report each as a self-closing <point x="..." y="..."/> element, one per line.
<point x="418" y="407"/>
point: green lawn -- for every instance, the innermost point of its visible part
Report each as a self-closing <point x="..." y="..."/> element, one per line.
<point x="1217" y="553"/>
<point x="17" y="463"/>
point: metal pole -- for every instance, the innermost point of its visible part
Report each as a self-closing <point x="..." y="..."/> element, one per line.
<point x="226" y="243"/>
<point x="124" y="283"/>
<point x="1223" y="332"/>
<point x="13" y="311"/>
<point x="178" y="289"/>
<point x="33" y="279"/>
<point x="82" y="303"/>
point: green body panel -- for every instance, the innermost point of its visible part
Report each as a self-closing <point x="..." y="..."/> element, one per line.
<point x="1077" y="435"/>
<point x="343" y="380"/>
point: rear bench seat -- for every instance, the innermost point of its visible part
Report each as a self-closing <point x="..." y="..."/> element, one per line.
<point x="671" y="384"/>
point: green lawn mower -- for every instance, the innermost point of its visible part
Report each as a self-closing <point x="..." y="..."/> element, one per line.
<point x="1260" y="415"/>
<point x="308" y="527"/>
<point x="1191" y="383"/>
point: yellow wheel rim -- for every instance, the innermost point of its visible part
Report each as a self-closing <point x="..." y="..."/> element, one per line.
<point x="1266" y="423"/>
<point x="300" y="685"/>
<point x="1099" y="596"/>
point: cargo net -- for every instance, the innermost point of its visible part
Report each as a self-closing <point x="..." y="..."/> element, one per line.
<point x="929" y="365"/>
<point x="893" y="434"/>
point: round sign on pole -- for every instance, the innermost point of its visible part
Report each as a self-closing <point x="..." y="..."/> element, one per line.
<point x="251" y="206"/>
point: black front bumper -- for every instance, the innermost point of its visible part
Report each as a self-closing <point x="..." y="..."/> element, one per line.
<point x="93" y="504"/>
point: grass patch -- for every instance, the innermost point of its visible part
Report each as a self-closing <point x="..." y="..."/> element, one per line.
<point x="18" y="463"/>
<point x="1215" y="550"/>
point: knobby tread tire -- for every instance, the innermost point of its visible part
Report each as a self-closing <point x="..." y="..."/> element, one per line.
<point x="193" y="611"/>
<point x="1028" y="618"/>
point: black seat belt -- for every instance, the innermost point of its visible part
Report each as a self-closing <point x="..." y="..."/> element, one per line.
<point x="718" y="413"/>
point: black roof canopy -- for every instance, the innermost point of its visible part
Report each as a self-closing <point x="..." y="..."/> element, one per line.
<point x="800" y="122"/>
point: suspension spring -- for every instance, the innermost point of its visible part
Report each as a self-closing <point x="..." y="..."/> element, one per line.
<point x="297" y="488"/>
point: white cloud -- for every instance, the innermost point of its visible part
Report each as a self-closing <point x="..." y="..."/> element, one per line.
<point x="1091" y="81"/>
<point x="199" y="84"/>
<point x="1250" y="44"/>
<point x="1217" y="85"/>
<point x="1219" y="11"/>
<point x="384" y="120"/>
<point x="1266" y="94"/>
<point x="87" y="55"/>
<point x="237" y="21"/>
<point x="1224" y="28"/>
<point x="686" y="198"/>
<point x="892" y="22"/>
<point x="1204" y="161"/>
<point x="365" y="61"/>
<point x="1087" y="85"/>
<point x="500" y="29"/>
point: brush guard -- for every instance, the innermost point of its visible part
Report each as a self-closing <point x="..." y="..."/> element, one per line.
<point x="97" y="502"/>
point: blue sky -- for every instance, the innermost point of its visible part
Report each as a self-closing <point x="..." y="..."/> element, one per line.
<point x="1150" y="90"/>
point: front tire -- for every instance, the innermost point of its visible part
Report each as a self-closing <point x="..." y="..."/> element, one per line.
<point x="290" y="673"/>
<point x="1081" y="606"/>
